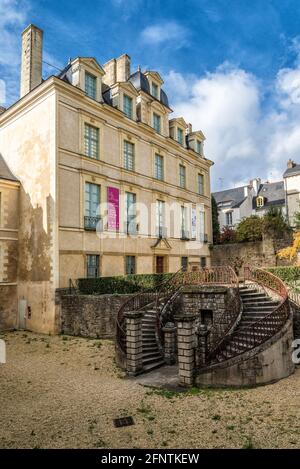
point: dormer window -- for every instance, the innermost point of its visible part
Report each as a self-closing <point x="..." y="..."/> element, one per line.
<point x="127" y="106"/>
<point x="156" y="122"/>
<point x="199" y="147"/>
<point x="180" y="136"/>
<point x="259" y="201"/>
<point x="154" y="90"/>
<point x="91" y="85"/>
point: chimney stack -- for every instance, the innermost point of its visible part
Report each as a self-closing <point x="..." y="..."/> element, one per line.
<point x="31" y="67"/>
<point x="290" y="164"/>
<point x="189" y="129"/>
<point x="123" y="67"/>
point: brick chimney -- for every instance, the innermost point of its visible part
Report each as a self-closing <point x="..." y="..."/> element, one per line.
<point x="110" y="69"/>
<point x="291" y="164"/>
<point x="31" y="66"/>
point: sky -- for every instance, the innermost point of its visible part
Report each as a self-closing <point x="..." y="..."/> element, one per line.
<point x="230" y="67"/>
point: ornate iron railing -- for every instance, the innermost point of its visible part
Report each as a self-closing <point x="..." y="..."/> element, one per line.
<point x="258" y="332"/>
<point x="163" y="293"/>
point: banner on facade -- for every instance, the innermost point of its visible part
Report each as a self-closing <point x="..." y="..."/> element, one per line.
<point x="194" y="224"/>
<point x="113" y="222"/>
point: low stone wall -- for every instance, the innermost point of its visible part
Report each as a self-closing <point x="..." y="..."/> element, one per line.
<point x="8" y="307"/>
<point x="256" y="254"/>
<point x="90" y="315"/>
<point x="265" y="364"/>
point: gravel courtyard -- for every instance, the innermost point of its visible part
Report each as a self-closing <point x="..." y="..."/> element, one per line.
<point x="64" y="392"/>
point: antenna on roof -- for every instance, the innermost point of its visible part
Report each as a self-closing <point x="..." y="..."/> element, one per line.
<point x="139" y="68"/>
<point x="51" y="65"/>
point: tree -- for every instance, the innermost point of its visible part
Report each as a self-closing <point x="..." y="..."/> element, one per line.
<point x="215" y="220"/>
<point x="228" y="235"/>
<point x="291" y="252"/>
<point x="274" y="223"/>
<point x="250" y="229"/>
<point x="297" y="219"/>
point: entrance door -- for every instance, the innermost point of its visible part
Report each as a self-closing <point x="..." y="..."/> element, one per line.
<point x="159" y="264"/>
<point x="22" y="313"/>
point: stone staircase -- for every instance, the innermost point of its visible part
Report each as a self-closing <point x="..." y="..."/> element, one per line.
<point x="152" y="357"/>
<point x="256" y="306"/>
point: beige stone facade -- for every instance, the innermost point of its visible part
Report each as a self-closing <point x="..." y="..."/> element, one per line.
<point x="44" y="138"/>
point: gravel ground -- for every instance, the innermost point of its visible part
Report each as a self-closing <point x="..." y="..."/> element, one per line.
<point x="64" y="392"/>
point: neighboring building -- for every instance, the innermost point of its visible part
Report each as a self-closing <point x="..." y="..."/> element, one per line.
<point x="291" y="178"/>
<point x="256" y="198"/>
<point x="270" y="194"/>
<point x="100" y="134"/>
<point x="9" y="221"/>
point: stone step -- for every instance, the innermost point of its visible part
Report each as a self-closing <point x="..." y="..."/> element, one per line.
<point x="259" y="301"/>
<point x="147" y="320"/>
<point x="148" y="334"/>
<point x="258" y="308"/>
<point x="149" y="342"/>
<point x="152" y="360"/>
<point x="154" y="354"/>
<point x="150" y="347"/>
<point x="249" y="295"/>
<point x="153" y="366"/>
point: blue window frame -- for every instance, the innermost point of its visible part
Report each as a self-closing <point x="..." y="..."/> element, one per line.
<point x="156" y="122"/>
<point x="127" y="106"/>
<point x="90" y="85"/>
<point x="91" y="141"/>
<point x="129" y="162"/>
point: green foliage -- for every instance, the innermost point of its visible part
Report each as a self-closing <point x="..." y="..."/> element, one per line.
<point x="215" y="220"/>
<point x="227" y="235"/>
<point x="274" y="223"/>
<point x="250" y="229"/>
<point x="121" y="285"/>
<point x="289" y="274"/>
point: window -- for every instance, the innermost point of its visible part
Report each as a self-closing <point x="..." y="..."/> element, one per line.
<point x="156" y="122"/>
<point x="203" y="262"/>
<point x="130" y="213"/>
<point x="127" y="106"/>
<point x="199" y="147"/>
<point x="91" y="141"/>
<point x="184" y="263"/>
<point x="130" y="265"/>
<point x="154" y="90"/>
<point x="259" y="201"/>
<point x="128" y="155"/>
<point x="182" y="176"/>
<point x="92" y="263"/>
<point x="160" y="219"/>
<point x="202" y="226"/>
<point x="184" y="233"/>
<point x="159" y="167"/>
<point x="90" y="85"/>
<point x="200" y="184"/>
<point x="228" y="217"/>
<point x="180" y="135"/>
<point x="92" y="201"/>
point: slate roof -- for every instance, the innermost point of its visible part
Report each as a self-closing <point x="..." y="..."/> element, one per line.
<point x="273" y="193"/>
<point x="5" y="172"/>
<point x="292" y="171"/>
<point x="140" y="82"/>
<point x="235" y="197"/>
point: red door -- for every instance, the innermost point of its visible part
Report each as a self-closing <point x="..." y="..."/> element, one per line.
<point x="159" y="264"/>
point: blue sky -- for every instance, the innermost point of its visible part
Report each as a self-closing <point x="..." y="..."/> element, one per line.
<point x="231" y="67"/>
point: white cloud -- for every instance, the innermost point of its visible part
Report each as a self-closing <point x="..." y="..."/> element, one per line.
<point x="2" y="92"/>
<point x="165" y="32"/>
<point x="245" y="137"/>
<point x="13" y="15"/>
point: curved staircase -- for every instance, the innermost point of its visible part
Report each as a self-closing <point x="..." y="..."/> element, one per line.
<point x="152" y="356"/>
<point x="256" y="306"/>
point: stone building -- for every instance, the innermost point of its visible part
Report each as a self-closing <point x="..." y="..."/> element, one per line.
<point x="291" y="178"/>
<point x="255" y="198"/>
<point x="108" y="184"/>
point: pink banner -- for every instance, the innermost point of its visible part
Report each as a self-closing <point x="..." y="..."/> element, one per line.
<point x="113" y="208"/>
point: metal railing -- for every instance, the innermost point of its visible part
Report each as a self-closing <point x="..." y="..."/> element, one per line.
<point x="163" y="293"/>
<point x="90" y="223"/>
